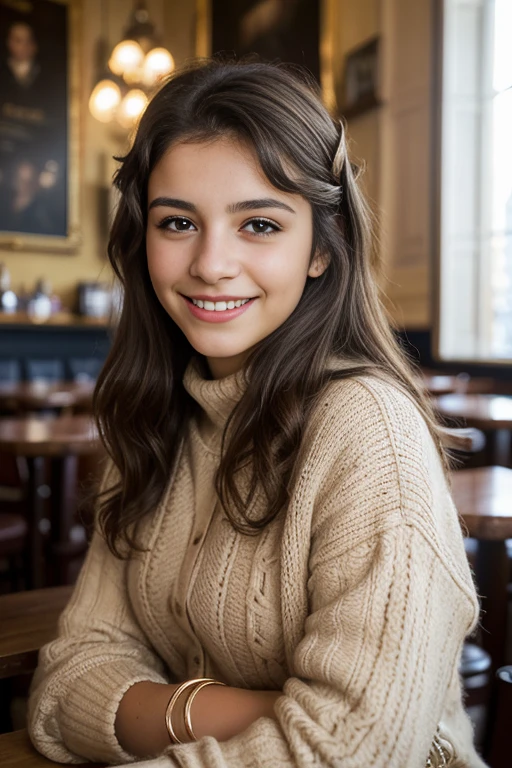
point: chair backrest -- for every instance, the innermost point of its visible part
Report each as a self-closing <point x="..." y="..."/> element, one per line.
<point x="44" y="370"/>
<point x="84" y="369"/>
<point x="10" y="371"/>
<point x="500" y="754"/>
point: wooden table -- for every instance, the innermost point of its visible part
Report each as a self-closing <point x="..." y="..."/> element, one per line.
<point x="483" y="411"/>
<point x="483" y="497"/>
<point x="62" y="440"/>
<point x="440" y="384"/>
<point x="490" y="413"/>
<point x="437" y="383"/>
<point x="28" y="620"/>
<point x="37" y="396"/>
<point x="16" y="751"/>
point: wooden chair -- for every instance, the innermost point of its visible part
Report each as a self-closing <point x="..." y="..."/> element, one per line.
<point x="500" y="753"/>
<point x="475" y="668"/>
<point x="57" y="442"/>
<point x="475" y="672"/>
<point x="13" y="538"/>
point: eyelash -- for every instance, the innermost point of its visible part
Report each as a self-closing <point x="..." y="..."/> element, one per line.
<point x="164" y="224"/>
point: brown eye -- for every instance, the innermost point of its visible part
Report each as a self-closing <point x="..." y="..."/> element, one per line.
<point x="182" y="225"/>
<point x="261" y="227"/>
<point x="176" y="224"/>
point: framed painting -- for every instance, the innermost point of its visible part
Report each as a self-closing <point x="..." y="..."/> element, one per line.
<point x="297" y="31"/>
<point x="39" y="111"/>
<point x="361" y="79"/>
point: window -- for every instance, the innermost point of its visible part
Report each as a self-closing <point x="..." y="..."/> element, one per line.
<point x="475" y="265"/>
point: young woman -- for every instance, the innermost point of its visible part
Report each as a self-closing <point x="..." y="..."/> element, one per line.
<point x="278" y="576"/>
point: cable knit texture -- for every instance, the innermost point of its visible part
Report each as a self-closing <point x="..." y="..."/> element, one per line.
<point x="354" y="601"/>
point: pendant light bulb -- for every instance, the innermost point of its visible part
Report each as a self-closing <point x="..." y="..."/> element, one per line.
<point x="104" y="100"/>
<point x="132" y="107"/>
<point x="157" y="64"/>
<point x="126" y="57"/>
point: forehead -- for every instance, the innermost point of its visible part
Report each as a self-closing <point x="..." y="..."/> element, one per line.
<point x="187" y="162"/>
<point x="224" y="169"/>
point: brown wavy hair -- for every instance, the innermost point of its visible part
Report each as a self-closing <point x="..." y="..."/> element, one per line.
<point x="141" y="405"/>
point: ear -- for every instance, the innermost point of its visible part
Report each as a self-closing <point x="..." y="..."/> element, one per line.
<point x="319" y="264"/>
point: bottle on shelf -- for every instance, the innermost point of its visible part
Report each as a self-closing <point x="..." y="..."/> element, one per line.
<point x="23" y="298"/>
<point x="55" y="302"/>
<point x="39" y="306"/>
<point x="8" y="299"/>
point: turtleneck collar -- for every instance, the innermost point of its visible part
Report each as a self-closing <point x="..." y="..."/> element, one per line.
<point x="216" y="397"/>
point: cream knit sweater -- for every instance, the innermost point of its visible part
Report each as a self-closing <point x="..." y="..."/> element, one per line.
<point x="355" y="602"/>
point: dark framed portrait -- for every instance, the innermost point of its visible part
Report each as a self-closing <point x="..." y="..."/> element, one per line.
<point x="296" y="31"/>
<point x="39" y="183"/>
<point x="284" y="30"/>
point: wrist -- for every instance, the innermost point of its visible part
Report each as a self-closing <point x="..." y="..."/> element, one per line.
<point x="140" y="720"/>
<point x="224" y="712"/>
<point x="177" y="714"/>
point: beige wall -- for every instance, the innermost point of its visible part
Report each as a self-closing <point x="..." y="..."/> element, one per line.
<point x="394" y="141"/>
<point x="357" y="21"/>
<point x="98" y="145"/>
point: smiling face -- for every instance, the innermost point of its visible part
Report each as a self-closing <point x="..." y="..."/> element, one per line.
<point x="228" y="254"/>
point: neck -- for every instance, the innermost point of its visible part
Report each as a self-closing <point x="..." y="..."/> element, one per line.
<point x="220" y="367"/>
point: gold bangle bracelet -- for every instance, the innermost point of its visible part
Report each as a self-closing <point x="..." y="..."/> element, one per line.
<point x="188" y="705"/>
<point x="172" y="702"/>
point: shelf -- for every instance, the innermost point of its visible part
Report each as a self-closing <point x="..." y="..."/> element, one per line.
<point x="59" y="320"/>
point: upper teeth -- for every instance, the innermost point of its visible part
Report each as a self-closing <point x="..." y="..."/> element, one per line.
<point x="219" y="306"/>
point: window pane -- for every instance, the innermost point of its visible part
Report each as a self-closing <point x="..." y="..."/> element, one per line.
<point x="476" y="182"/>
<point x="501" y="224"/>
<point x="502" y="75"/>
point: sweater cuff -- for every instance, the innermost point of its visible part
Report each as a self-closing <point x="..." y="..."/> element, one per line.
<point x="262" y="743"/>
<point x="87" y="715"/>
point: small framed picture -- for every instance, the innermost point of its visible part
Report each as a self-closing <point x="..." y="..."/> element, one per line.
<point x="39" y="113"/>
<point x="361" y="80"/>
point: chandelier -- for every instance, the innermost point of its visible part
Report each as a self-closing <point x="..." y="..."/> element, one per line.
<point x="131" y="73"/>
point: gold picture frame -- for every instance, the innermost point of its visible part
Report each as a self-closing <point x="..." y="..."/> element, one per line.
<point x="40" y="140"/>
<point x="327" y="14"/>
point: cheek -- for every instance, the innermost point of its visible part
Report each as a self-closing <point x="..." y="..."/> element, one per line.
<point x="286" y="272"/>
<point x="161" y="264"/>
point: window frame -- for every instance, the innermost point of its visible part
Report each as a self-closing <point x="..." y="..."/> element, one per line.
<point x="480" y="301"/>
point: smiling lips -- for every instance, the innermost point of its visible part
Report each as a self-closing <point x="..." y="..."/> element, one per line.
<point x="223" y="309"/>
<point x="219" y="306"/>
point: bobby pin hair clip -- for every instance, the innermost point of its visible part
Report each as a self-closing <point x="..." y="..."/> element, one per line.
<point x="339" y="157"/>
<point x="194" y="686"/>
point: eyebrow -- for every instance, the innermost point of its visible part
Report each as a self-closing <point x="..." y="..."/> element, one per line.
<point x="244" y="205"/>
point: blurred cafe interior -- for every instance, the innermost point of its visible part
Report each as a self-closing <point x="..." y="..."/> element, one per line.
<point x="425" y="90"/>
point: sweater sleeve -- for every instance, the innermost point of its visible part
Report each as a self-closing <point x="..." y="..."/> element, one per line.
<point x="390" y="600"/>
<point x="100" y="652"/>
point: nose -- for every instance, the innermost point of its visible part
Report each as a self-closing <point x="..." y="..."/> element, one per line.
<point x="214" y="258"/>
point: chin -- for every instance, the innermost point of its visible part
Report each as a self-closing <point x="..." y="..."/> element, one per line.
<point x="218" y="351"/>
